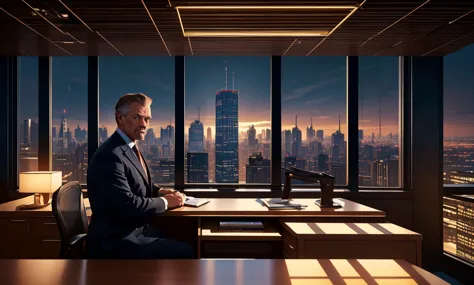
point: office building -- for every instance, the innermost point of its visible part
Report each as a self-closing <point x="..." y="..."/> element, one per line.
<point x="197" y="166"/>
<point x="227" y="136"/>
<point x="258" y="169"/>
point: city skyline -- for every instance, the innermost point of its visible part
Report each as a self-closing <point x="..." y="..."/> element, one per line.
<point x="71" y="83"/>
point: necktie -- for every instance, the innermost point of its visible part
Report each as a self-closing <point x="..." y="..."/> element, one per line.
<point x="140" y="158"/>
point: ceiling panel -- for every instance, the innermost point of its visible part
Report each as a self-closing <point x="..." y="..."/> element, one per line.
<point x="152" y="27"/>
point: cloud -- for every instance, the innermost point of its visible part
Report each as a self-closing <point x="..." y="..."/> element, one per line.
<point x="322" y="117"/>
<point x="258" y="123"/>
<point x="305" y="90"/>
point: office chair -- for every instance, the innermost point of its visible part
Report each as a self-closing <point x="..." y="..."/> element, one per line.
<point x="70" y="214"/>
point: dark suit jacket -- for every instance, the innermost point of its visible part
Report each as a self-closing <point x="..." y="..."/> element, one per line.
<point x="120" y="196"/>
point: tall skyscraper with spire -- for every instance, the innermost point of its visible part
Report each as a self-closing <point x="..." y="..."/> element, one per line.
<point x="196" y="136"/>
<point x="296" y="137"/>
<point x="227" y="135"/>
<point x="62" y="136"/>
<point x="310" y="132"/>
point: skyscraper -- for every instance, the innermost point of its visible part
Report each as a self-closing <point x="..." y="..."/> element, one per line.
<point x="167" y="141"/>
<point x="320" y="135"/>
<point x="103" y="134"/>
<point x="251" y="135"/>
<point x="337" y="143"/>
<point x="26" y="132"/>
<point x="258" y="169"/>
<point x="323" y="162"/>
<point x="287" y="136"/>
<point x="150" y="138"/>
<point x="62" y="136"/>
<point x="196" y="137"/>
<point x="268" y="135"/>
<point x="227" y="136"/>
<point x="34" y="136"/>
<point x="310" y="132"/>
<point x="209" y="134"/>
<point x="167" y="135"/>
<point x="296" y="137"/>
<point x="197" y="165"/>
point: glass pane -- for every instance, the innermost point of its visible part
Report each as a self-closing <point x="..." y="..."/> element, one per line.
<point x="459" y="117"/>
<point x="379" y="122"/>
<point x="154" y="77"/>
<point x="314" y="115"/>
<point x="69" y="132"/>
<point x="28" y="117"/>
<point x="228" y="98"/>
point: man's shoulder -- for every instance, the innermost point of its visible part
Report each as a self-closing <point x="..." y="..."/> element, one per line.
<point x="110" y="150"/>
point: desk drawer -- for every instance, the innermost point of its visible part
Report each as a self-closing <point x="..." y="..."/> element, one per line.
<point x="44" y="228"/>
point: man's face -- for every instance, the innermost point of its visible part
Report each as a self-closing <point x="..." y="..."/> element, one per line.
<point x="135" y="123"/>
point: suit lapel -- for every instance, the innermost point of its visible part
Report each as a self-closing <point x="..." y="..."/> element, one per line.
<point x="128" y="152"/>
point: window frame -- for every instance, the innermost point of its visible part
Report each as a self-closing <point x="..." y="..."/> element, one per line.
<point x="254" y="189"/>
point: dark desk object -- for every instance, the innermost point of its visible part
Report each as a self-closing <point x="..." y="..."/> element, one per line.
<point x="207" y="272"/>
<point x="70" y="215"/>
<point x="326" y="182"/>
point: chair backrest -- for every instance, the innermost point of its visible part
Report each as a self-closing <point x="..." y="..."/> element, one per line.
<point x="70" y="214"/>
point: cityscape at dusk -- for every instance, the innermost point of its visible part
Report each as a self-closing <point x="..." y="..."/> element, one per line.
<point x="313" y="113"/>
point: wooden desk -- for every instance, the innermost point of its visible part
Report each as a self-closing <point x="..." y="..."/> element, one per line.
<point x="34" y="233"/>
<point x="221" y="207"/>
<point x="213" y="272"/>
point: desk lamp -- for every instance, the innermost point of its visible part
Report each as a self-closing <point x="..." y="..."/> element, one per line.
<point x="325" y="180"/>
<point x="42" y="184"/>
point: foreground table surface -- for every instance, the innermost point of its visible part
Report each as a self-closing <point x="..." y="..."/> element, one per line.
<point x="212" y="272"/>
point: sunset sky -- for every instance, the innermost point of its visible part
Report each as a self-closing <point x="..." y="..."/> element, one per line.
<point x="311" y="87"/>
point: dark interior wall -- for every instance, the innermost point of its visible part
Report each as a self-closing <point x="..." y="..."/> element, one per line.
<point x="427" y="155"/>
<point x="398" y="211"/>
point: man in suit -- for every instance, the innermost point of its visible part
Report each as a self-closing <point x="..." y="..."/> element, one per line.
<point x="120" y="193"/>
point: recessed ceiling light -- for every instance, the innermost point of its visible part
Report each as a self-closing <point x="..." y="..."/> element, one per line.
<point x="264" y="33"/>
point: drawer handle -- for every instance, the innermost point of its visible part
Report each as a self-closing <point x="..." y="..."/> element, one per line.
<point x="52" y="240"/>
<point x="21" y="222"/>
<point x="49" y="224"/>
<point x="289" y="245"/>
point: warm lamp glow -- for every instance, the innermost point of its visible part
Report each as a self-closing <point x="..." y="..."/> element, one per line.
<point x="40" y="181"/>
<point x="42" y="184"/>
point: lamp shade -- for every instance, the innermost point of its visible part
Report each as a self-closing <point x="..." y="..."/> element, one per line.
<point x="40" y="181"/>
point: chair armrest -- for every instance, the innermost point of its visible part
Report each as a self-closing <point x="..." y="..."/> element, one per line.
<point x="77" y="239"/>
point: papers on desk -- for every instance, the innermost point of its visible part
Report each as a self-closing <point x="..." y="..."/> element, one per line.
<point x="279" y="204"/>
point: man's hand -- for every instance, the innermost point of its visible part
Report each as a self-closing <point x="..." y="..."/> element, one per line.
<point x="175" y="200"/>
<point x="167" y="191"/>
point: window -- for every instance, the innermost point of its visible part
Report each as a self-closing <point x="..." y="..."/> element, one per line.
<point x="458" y="92"/>
<point x="379" y="122"/>
<point x="28" y="117"/>
<point x="227" y="120"/>
<point x="69" y="134"/>
<point x="153" y="76"/>
<point x="314" y="115"/>
<point x="458" y="167"/>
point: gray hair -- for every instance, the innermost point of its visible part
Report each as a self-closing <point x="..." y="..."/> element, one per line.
<point x="123" y="104"/>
